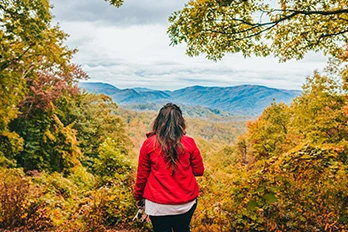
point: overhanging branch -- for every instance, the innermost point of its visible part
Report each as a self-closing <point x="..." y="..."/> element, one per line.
<point x="269" y="25"/>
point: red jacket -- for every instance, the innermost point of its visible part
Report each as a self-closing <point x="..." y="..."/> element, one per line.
<point x="155" y="181"/>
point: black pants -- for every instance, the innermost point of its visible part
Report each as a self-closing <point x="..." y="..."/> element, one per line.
<point x="179" y="223"/>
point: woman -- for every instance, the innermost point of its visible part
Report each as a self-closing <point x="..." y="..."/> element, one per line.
<point x="168" y="163"/>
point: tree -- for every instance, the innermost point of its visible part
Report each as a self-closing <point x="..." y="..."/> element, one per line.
<point x="267" y="134"/>
<point x="93" y="117"/>
<point x="112" y="166"/>
<point x="49" y="144"/>
<point x="28" y="45"/>
<point x="288" y="29"/>
<point x="320" y="114"/>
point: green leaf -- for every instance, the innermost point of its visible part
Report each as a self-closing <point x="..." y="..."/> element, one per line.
<point x="270" y="198"/>
<point x="252" y="205"/>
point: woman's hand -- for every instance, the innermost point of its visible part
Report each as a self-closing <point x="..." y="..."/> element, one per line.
<point x="140" y="203"/>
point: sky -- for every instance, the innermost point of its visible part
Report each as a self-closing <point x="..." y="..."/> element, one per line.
<point x="128" y="47"/>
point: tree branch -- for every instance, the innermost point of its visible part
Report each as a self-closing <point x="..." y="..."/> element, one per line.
<point x="333" y="34"/>
<point x="276" y="22"/>
<point x="258" y="25"/>
<point x="319" y="12"/>
<point x="6" y="64"/>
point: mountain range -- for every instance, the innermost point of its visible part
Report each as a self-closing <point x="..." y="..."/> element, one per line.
<point x="235" y="100"/>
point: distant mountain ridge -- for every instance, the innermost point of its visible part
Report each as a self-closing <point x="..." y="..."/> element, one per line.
<point x="236" y="100"/>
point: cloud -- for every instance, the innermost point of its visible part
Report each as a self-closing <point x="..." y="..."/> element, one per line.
<point x="131" y="13"/>
<point x="129" y="47"/>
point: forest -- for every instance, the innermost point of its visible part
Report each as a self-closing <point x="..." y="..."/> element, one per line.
<point x="68" y="157"/>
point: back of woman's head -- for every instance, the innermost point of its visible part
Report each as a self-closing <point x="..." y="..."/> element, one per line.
<point x="169" y="122"/>
<point x="169" y="126"/>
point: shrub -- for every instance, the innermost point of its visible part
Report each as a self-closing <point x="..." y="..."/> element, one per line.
<point x="20" y="204"/>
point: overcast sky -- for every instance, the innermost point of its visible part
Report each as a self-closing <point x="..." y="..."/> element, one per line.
<point x="128" y="47"/>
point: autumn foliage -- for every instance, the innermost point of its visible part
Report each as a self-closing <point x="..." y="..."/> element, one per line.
<point x="289" y="171"/>
<point x="68" y="157"/>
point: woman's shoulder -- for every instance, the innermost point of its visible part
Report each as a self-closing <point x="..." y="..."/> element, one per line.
<point x="150" y="137"/>
<point x="186" y="138"/>
<point x="189" y="143"/>
<point x="149" y="144"/>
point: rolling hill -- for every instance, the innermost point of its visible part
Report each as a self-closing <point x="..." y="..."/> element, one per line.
<point x="247" y="100"/>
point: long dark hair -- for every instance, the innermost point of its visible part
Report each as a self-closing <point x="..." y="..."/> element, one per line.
<point x="169" y="126"/>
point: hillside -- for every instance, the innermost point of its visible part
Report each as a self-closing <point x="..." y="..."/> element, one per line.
<point x="234" y="100"/>
<point x="217" y="133"/>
